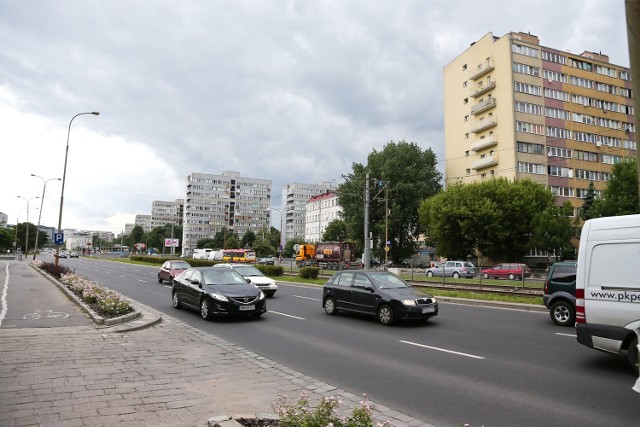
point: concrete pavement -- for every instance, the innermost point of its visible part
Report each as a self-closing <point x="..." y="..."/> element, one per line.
<point x="149" y="371"/>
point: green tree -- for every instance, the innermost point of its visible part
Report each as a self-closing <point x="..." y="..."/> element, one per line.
<point x="248" y="239"/>
<point x="405" y="175"/>
<point x="621" y="195"/>
<point x="587" y="204"/>
<point x="492" y="216"/>
<point x="136" y="235"/>
<point x="226" y="239"/>
<point x="6" y="240"/>
<point x="336" y="231"/>
<point x="551" y="229"/>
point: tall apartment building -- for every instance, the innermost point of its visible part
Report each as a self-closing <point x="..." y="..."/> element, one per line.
<point x="214" y="202"/>
<point x="166" y="212"/>
<point x="144" y="221"/>
<point x="319" y="212"/>
<point x="516" y="109"/>
<point x="294" y="200"/>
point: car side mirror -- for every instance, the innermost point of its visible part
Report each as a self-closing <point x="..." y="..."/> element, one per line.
<point x="195" y="281"/>
<point x="248" y="280"/>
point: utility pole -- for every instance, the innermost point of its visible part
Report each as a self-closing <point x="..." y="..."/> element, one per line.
<point x="367" y="250"/>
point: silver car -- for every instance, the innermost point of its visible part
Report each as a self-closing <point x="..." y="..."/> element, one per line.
<point x="453" y="269"/>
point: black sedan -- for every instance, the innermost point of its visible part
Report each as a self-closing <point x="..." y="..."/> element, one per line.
<point x="217" y="292"/>
<point x="378" y="293"/>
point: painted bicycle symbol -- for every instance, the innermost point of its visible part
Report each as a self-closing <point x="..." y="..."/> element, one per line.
<point x="48" y="314"/>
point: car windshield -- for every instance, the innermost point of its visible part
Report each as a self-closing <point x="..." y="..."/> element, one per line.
<point x="180" y="265"/>
<point x="248" y="271"/>
<point x="468" y="264"/>
<point x="222" y="277"/>
<point x="388" y="281"/>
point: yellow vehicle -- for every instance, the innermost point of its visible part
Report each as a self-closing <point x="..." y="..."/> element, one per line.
<point x="239" y="255"/>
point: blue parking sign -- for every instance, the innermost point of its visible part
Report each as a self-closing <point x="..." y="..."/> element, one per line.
<point x="58" y="238"/>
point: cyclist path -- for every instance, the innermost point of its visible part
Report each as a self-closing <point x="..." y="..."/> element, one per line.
<point x="58" y="370"/>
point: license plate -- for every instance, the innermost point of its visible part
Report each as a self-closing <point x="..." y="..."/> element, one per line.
<point x="428" y="309"/>
<point x="247" y="307"/>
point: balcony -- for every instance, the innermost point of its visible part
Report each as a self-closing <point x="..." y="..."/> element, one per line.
<point x="484" y="124"/>
<point x="483" y="143"/>
<point x="483" y="90"/>
<point x="487" y="161"/>
<point x="483" y="106"/>
<point x="481" y="70"/>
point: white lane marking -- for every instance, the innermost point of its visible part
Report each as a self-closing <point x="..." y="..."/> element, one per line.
<point x="143" y="281"/>
<point x="490" y="306"/>
<point x="4" y="295"/>
<point x="443" y="350"/>
<point x="122" y="276"/>
<point x="287" y="315"/>
<point x="312" y="299"/>
<point x="566" y="335"/>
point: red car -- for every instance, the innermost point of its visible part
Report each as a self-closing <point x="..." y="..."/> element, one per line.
<point x="171" y="269"/>
<point x="507" y="270"/>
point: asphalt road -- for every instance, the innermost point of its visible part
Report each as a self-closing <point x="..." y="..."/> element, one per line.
<point x="471" y="364"/>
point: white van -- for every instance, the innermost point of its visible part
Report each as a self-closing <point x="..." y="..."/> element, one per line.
<point x="201" y="253"/>
<point x="608" y="285"/>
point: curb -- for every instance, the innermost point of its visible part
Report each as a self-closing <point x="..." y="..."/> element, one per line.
<point x="140" y="318"/>
<point x="233" y="421"/>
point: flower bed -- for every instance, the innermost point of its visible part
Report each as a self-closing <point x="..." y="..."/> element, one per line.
<point x="105" y="302"/>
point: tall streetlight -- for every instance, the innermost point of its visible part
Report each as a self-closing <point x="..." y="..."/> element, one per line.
<point x="281" y="230"/>
<point x="44" y="187"/>
<point x="64" y="176"/>
<point x="26" y="239"/>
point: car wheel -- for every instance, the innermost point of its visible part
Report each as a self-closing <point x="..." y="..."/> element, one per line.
<point x="330" y="306"/>
<point x="159" y="279"/>
<point x="269" y="294"/>
<point x="512" y="276"/>
<point x="456" y="275"/>
<point x="205" y="309"/>
<point x="385" y="315"/>
<point x="632" y="355"/>
<point x="563" y="313"/>
<point x="176" y="301"/>
<point x="430" y="273"/>
<point x="485" y="276"/>
<point x="257" y="315"/>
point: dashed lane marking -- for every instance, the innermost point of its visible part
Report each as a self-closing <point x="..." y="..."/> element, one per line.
<point x="473" y="356"/>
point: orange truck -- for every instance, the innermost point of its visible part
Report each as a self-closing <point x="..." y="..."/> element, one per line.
<point x="329" y="255"/>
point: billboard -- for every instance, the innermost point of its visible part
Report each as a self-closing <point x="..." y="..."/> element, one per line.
<point x="168" y="243"/>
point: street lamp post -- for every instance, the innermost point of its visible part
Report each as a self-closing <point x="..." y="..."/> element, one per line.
<point x="26" y="239"/>
<point x="44" y="187"/>
<point x="281" y="230"/>
<point x="64" y="176"/>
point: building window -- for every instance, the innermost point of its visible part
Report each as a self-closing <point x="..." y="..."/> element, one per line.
<point x="525" y="50"/>
<point x="464" y="84"/>
<point x="464" y="67"/>
<point x="535" y="168"/>
<point x="465" y="101"/>
<point x="466" y="153"/>
<point x="468" y="171"/>
<point x="530" y="148"/>
<point x="466" y="118"/>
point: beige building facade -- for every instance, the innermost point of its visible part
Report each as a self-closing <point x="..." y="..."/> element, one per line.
<point x="516" y="109"/>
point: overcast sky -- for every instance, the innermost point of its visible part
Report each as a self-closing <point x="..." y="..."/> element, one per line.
<point x="292" y="91"/>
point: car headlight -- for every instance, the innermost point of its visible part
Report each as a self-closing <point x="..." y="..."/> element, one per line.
<point x="409" y="302"/>
<point x="219" y="297"/>
<point x="261" y="295"/>
<point x="433" y="299"/>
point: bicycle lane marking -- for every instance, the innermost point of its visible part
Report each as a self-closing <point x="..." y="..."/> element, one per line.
<point x="3" y="299"/>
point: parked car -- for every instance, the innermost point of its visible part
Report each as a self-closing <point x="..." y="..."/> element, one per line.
<point x="265" y="261"/>
<point x="171" y="269"/>
<point x="74" y="255"/>
<point x="217" y="292"/>
<point x="62" y="254"/>
<point x="378" y="293"/>
<point x="560" y="293"/>
<point x="453" y="269"/>
<point x="507" y="270"/>
<point x="255" y="276"/>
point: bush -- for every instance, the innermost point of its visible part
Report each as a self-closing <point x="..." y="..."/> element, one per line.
<point x="270" y="270"/>
<point x="300" y="414"/>
<point x="309" y="272"/>
<point x="50" y="268"/>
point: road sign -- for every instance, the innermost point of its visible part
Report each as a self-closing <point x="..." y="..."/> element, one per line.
<point x="58" y="238"/>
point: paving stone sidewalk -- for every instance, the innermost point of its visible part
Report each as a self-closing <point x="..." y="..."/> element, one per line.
<point x="168" y="374"/>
